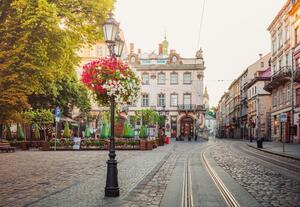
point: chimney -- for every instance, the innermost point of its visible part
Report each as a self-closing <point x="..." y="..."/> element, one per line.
<point x="139" y="51"/>
<point x="260" y="55"/>
<point x="131" y="48"/>
<point x="160" y="49"/>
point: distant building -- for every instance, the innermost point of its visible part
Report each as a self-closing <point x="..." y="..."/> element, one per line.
<point x="171" y="84"/>
<point x="259" y="100"/>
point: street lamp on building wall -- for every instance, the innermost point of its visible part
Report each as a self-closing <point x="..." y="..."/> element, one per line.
<point x="115" y="45"/>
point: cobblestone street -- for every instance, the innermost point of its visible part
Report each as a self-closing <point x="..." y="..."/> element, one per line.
<point x="45" y="178"/>
<point x="146" y="178"/>
<point x="267" y="186"/>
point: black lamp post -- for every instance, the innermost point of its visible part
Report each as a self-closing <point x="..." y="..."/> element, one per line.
<point x="115" y="45"/>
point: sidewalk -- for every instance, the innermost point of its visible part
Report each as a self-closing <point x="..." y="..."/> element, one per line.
<point x="291" y="150"/>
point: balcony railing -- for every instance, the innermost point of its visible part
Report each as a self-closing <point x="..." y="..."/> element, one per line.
<point x="283" y="72"/>
<point x="190" y="107"/>
<point x="278" y="78"/>
<point x="297" y="74"/>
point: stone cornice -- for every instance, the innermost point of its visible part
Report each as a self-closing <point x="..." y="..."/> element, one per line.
<point x="171" y="67"/>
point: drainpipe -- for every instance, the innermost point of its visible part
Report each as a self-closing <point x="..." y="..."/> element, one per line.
<point x="292" y="96"/>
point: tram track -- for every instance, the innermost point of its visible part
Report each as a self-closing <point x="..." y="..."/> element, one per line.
<point x="187" y="193"/>
<point x="226" y="194"/>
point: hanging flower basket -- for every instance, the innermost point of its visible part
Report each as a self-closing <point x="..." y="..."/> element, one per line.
<point x="110" y="78"/>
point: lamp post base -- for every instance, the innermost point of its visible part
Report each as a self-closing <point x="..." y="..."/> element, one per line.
<point x="112" y="186"/>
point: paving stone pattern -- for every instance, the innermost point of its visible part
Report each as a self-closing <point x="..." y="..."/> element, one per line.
<point x="268" y="187"/>
<point x="69" y="178"/>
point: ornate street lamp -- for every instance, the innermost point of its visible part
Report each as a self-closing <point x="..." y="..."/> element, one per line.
<point x="114" y="43"/>
<point x="119" y="46"/>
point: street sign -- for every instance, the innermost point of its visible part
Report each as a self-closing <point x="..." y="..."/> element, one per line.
<point x="283" y="117"/>
<point x="57" y="114"/>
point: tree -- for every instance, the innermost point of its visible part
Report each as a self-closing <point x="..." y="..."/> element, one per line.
<point x="67" y="133"/>
<point x="66" y="94"/>
<point x="20" y="133"/>
<point x="38" y="44"/>
<point x="38" y="118"/>
<point x="143" y="132"/>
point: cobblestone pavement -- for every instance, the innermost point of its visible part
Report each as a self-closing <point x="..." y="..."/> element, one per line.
<point x="36" y="178"/>
<point x="268" y="186"/>
<point x="151" y="190"/>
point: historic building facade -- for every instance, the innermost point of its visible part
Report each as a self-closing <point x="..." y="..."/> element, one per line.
<point x="294" y="14"/>
<point x="259" y="105"/>
<point x="172" y="85"/>
<point x="281" y="84"/>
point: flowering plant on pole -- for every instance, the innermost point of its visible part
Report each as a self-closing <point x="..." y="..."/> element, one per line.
<point x="111" y="79"/>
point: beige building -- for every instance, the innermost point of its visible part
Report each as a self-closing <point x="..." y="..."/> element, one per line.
<point x="222" y="116"/>
<point x="172" y="84"/>
<point x="281" y="66"/>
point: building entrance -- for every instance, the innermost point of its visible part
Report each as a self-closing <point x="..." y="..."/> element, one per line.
<point x="187" y="128"/>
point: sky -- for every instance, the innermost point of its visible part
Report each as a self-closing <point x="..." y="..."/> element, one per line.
<point x="232" y="35"/>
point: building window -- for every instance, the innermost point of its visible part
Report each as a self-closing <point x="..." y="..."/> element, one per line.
<point x="161" y="79"/>
<point x="275" y="124"/>
<point x="287" y="32"/>
<point x="274" y="45"/>
<point x="174" y="78"/>
<point x="187" y="78"/>
<point x="288" y="94"/>
<point x="161" y="100"/>
<point x="262" y="64"/>
<point x="99" y="51"/>
<point x="145" y="79"/>
<point x="174" y="99"/>
<point x="145" y="100"/>
<point x="275" y="98"/>
<point x="280" y="43"/>
<point x="187" y="99"/>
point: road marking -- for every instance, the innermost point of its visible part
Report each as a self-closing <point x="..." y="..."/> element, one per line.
<point x="228" y="197"/>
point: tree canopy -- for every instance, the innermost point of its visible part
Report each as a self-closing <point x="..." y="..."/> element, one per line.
<point x="39" y="40"/>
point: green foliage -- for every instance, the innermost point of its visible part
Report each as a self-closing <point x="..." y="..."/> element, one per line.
<point x="38" y="44"/>
<point x="36" y="132"/>
<point x="105" y="133"/>
<point x="161" y="120"/>
<point x="39" y="116"/>
<point x="67" y="132"/>
<point x="8" y="132"/>
<point x="128" y="131"/>
<point x="20" y="133"/>
<point x="143" y="132"/>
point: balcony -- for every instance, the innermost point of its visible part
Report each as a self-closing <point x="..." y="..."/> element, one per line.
<point x="190" y="107"/>
<point x="297" y="74"/>
<point x="278" y="78"/>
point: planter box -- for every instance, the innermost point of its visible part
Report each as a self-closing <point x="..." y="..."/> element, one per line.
<point x="143" y="144"/>
<point x="149" y="145"/>
<point x="45" y="146"/>
<point x="24" y="146"/>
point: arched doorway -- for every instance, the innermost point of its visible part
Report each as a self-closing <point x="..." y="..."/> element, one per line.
<point x="187" y="128"/>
